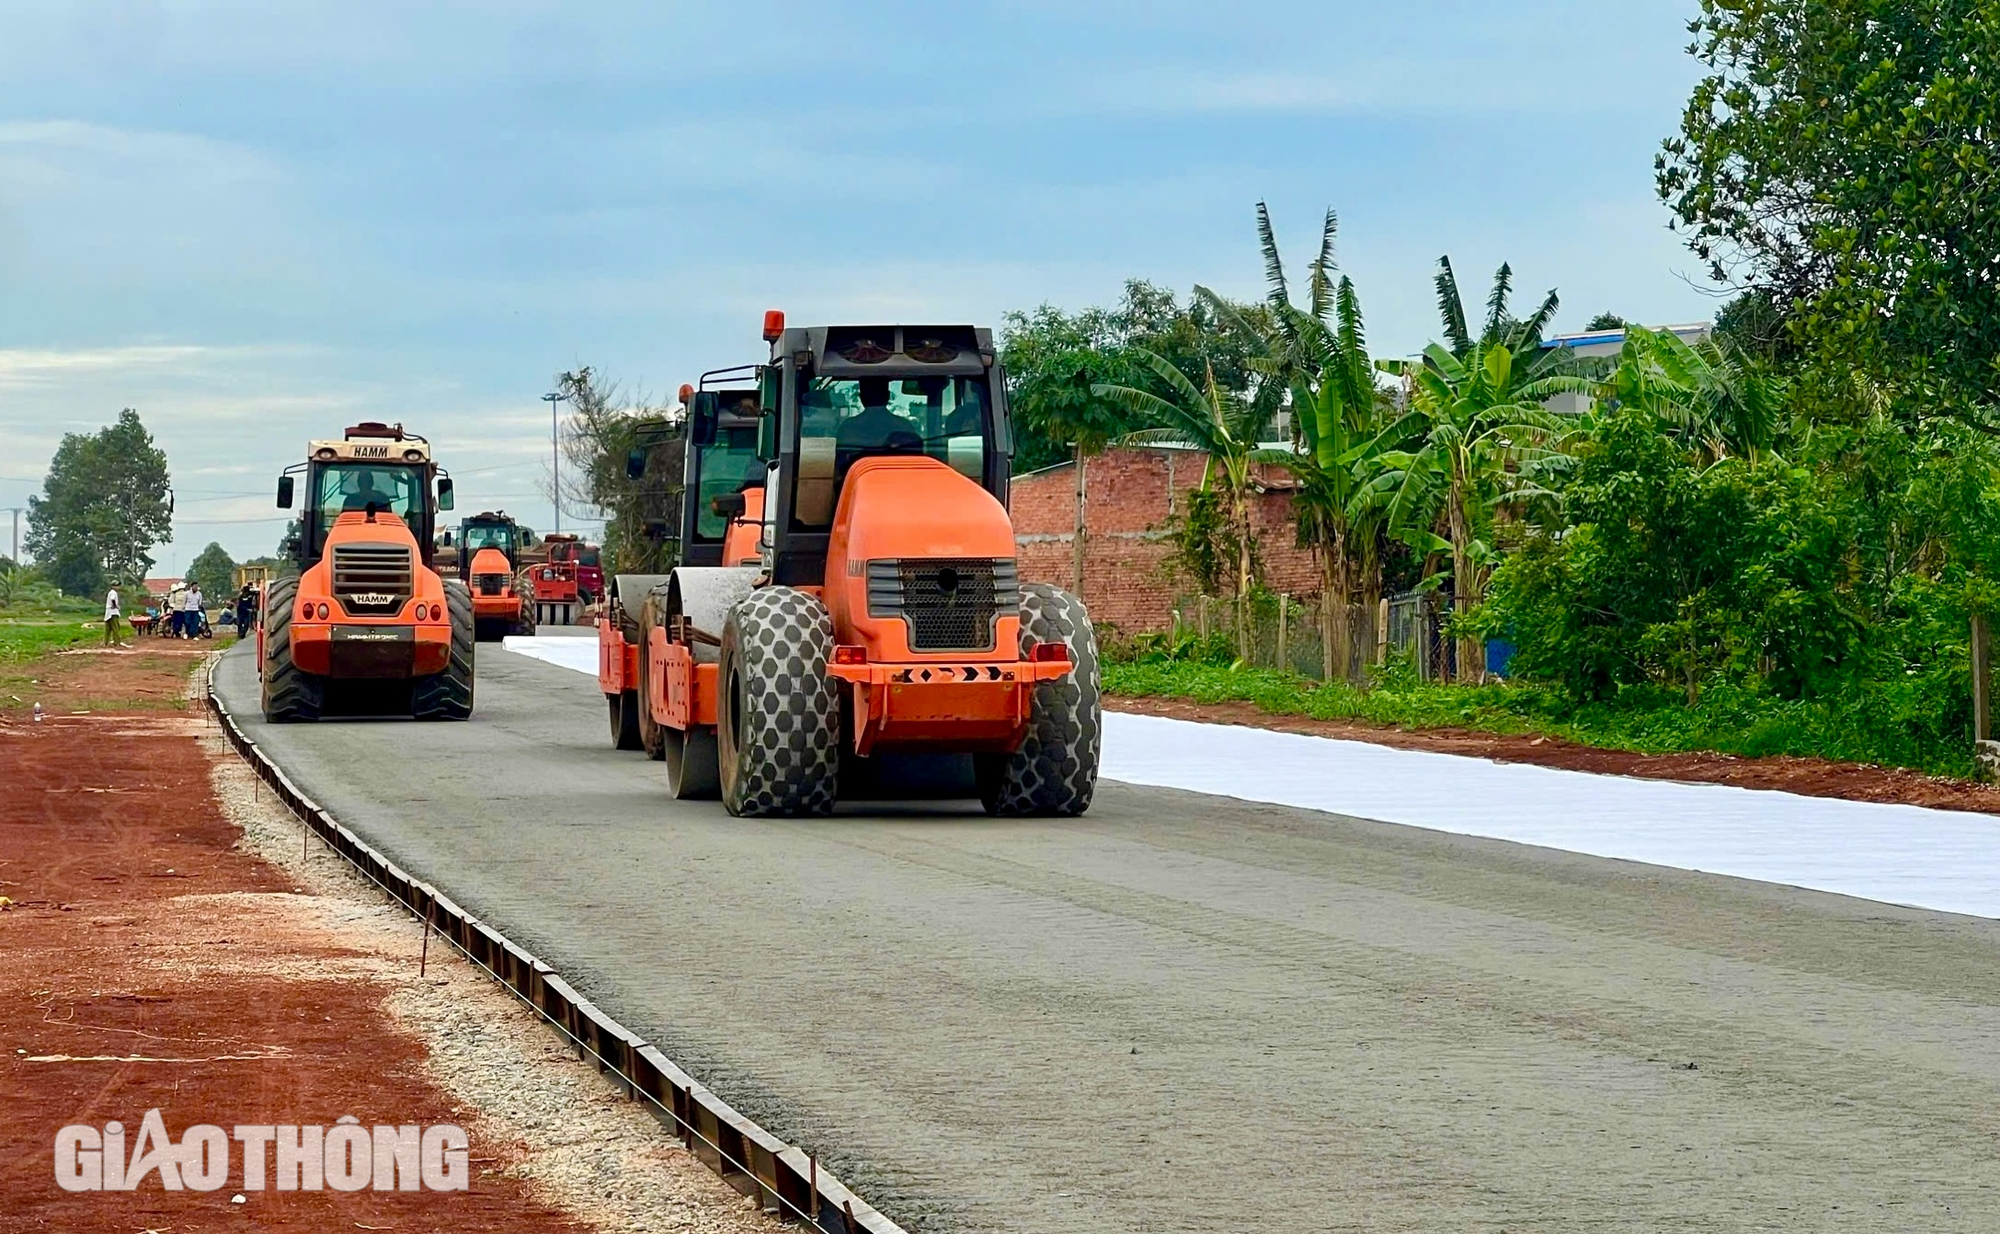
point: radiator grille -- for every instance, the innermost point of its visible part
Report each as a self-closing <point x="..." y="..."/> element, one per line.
<point x="948" y="603"/>
<point x="372" y="578"/>
<point x="490" y="584"/>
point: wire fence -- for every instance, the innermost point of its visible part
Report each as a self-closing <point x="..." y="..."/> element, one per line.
<point x="1319" y="639"/>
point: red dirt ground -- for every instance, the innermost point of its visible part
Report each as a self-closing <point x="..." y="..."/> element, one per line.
<point x="1810" y="777"/>
<point x="110" y="843"/>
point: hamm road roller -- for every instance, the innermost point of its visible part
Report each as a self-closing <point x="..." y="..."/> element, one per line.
<point x="488" y="560"/>
<point x="719" y="459"/>
<point x="884" y="613"/>
<point x="366" y="625"/>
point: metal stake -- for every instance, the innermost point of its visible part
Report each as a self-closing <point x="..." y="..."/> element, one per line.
<point x="424" y="957"/>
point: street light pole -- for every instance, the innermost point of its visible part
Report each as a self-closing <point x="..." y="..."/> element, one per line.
<point x="555" y="457"/>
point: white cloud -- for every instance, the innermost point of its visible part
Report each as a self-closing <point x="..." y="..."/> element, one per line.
<point x="32" y="366"/>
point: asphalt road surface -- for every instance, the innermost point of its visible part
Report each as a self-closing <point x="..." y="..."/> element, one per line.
<point x="1184" y="1013"/>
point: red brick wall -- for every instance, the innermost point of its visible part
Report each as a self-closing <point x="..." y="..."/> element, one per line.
<point x="1130" y="495"/>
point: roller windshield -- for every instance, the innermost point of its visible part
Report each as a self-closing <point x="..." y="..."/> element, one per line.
<point x="487" y="535"/>
<point x="729" y="466"/>
<point x="843" y="420"/>
<point x="384" y="487"/>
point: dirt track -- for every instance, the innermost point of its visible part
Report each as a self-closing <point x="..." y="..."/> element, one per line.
<point x="151" y="957"/>
<point x="1188" y="1014"/>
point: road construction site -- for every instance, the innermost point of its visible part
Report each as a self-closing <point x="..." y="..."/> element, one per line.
<point x="1191" y="1012"/>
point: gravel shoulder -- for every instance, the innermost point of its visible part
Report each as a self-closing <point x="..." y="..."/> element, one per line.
<point x="577" y="1141"/>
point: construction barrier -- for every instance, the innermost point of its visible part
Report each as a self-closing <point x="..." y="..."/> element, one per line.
<point x="783" y="1178"/>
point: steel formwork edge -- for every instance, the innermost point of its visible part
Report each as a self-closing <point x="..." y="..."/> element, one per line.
<point x="780" y="1176"/>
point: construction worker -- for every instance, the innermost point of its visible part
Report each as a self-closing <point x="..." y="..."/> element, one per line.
<point x="876" y="427"/>
<point x="365" y="495"/>
<point x="112" y="614"/>
<point x="246" y="610"/>
<point x="176" y="609"/>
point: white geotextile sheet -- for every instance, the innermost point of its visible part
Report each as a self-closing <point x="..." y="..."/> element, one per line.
<point x="1941" y="859"/>
<point x="568" y="651"/>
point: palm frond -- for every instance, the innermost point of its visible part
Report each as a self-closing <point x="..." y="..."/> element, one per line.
<point x="1282" y="457"/>
<point x="1356" y="372"/>
<point x="1277" y="293"/>
<point x="1323" y="267"/>
<point x="1160" y="437"/>
<point x="1496" y="301"/>
<point x="1180" y="383"/>
<point x="1529" y="333"/>
<point x="1451" y="307"/>
<point x="1163" y="415"/>
<point x="1230" y="316"/>
<point x="1546" y="388"/>
<point x="1445" y="364"/>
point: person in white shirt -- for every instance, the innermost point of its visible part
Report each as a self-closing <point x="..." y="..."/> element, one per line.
<point x="112" y="613"/>
<point x="191" y="624"/>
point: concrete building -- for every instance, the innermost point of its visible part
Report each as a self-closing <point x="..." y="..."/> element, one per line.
<point x="1131" y="495"/>
<point x="1593" y="344"/>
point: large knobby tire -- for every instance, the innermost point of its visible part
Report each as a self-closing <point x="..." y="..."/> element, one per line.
<point x="448" y="695"/>
<point x="777" y="710"/>
<point x="1055" y="770"/>
<point x="290" y="693"/>
<point x="624" y="719"/>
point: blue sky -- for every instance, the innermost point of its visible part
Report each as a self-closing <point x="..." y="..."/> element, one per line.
<point x="258" y="222"/>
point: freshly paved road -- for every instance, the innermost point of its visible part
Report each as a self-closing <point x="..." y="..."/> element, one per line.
<point x="1184" y="1013"/>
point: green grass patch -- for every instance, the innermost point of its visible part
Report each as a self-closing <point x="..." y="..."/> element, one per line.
<point x="1871" y="727"/>
<point x="29" y="641"/>
<point x="155" y="703"/>
<point x="29" y="638"/>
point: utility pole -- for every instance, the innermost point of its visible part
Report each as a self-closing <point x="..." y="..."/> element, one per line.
<point x="15" y="556"/>
<point x="555" y="456"/>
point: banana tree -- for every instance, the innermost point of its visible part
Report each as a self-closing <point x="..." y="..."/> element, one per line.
<point x="1317" y="354"/>
<point x="1522" y="336"/>
<point x="1478" y="431"/>
<point x="1339" y="413"/>
<point x="1715" y="401"/>
<point x="1202" y="416"/>
<point x="1286" y="341"/>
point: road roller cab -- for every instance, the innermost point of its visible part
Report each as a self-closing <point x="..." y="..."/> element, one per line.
<point x="883" y="613"/>
<point x="489" y="564"/>
<point x="720" y="460"/>
<point x="366" y="614"/>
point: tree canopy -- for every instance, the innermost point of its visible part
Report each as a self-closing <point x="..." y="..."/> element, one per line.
<point x="1056" y="360"/>
<point x="1839" y="158"/>
<point x="214" y="571"/>
<point x="603" y="428"/>
<point x="103" y="506"/>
